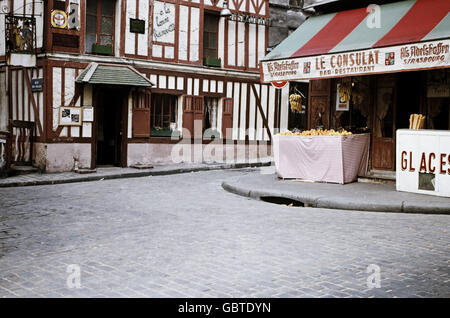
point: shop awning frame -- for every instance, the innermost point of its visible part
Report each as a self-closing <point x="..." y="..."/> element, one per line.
<point x="413" y="34"/>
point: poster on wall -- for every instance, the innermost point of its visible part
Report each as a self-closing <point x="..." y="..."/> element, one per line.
<point x="88" y="114"/>
<point x="70" y="116"/>
<point x="164" y="22"/>
<point x="340" y="104"/>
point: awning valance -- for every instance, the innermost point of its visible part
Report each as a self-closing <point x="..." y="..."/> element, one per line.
<point x="110" y="74"/>
<point x="413" y="34"/>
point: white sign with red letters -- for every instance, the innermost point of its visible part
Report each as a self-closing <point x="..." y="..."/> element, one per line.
<point x="423" y="161"/>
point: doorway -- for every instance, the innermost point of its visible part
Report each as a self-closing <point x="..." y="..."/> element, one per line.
<point x="109" y="128"/>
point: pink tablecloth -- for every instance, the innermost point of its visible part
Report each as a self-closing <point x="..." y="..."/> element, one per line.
<point x="338" y="159"/>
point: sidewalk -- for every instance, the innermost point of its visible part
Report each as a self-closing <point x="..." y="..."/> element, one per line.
<point x="116" y="173"/>
<point x="352" y="196"/>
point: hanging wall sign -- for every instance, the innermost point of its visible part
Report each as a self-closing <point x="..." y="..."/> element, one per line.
<point x="137" y="26"/>
<point x="58" y="19"/>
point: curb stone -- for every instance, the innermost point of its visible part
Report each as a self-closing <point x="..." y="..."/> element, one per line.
<point x="134" y="174"/>
<point x="342" y="204"/>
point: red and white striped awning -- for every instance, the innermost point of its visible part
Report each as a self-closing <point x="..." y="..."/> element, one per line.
<point x="401" y="36"/>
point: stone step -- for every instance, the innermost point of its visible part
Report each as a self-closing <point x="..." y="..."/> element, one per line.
<point x="21" y="170"/>
<point x="378" y="176"/>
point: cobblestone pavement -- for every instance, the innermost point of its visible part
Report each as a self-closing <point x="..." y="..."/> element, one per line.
<point x="184" y="236"/>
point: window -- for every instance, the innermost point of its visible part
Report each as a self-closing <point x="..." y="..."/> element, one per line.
<point x="210" y="117"/>
<point x="99" y="26"/>
<point x="163" y="119"/>
<point x="211" y="24"/>
<point x="59" y="5"/>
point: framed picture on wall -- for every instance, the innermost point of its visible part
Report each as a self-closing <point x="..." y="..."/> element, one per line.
<point x="70" y="116"/>
<point x="340" y="104"/>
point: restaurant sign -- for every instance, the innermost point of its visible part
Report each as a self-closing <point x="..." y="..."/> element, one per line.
<point x="425" y="55"/>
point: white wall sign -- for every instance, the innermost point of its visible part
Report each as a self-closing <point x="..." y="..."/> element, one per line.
<point x="88" y="114"/>
<point x="164" y="22"/>
<point x="424" y="55"/>
<point x="423" y="161"/>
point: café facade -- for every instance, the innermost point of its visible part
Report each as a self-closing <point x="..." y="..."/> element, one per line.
<point x="392" y="60"/>
<point x="122" y="82"/>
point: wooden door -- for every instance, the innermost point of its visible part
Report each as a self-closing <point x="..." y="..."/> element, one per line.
<point x="383" y="138"/>
<point x="319" y="104"/>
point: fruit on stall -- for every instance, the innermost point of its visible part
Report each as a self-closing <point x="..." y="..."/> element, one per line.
<point x="317" y="132"/>
<point x="296" y="102"/>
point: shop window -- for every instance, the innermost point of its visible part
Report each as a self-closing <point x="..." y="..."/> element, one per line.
<point x="210" y="38"/>
<point x="163" y="119"/>
<point x="298" y="99"/>
<point x="99" y="26"/>
<point x="438" y="99"/>
<point x="356" y="119"/>
<point x="210" y="118"/>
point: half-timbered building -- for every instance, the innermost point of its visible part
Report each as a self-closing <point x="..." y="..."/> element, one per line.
<point x="121" y="82"/>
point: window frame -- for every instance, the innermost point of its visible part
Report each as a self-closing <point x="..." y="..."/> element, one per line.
<point x="98" y="27"/>
<point x="173" y="111"/>
<point x="210" y="15"/>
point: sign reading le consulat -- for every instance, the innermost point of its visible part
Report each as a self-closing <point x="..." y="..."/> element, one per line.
<point x="390" y="59"/>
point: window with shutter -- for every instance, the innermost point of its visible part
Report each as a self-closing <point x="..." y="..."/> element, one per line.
<point x="193" y="111"/>
<point x="227" y="118"/>
<point x="141" y="122"/>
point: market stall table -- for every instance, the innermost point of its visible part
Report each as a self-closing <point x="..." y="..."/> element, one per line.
<point x="337" y="159"/>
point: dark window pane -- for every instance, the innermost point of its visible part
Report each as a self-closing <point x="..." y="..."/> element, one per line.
<point x="91" y="7"/>
<point x="108" y="7"/>
<point x="212" y="40"/>
<point x="91" y="24"/>
<point x="59" y="5"/>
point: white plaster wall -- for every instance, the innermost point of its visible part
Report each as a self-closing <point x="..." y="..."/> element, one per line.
<point x="143" y="38"/>
<point x="4" y="115"/>
<point x="241" y="44"/>
<point x="252" y="45"/>
<point x="231" y="43"/>
<point x="195" y="35"/>
<point x="183" y="35"/>
<point x="130" y="37"/>
<point x="176" y="153"/>
<point x="242" y="131"/>
<point x="60" y="157"/>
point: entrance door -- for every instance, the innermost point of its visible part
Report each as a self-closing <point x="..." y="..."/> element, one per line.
<point x="383" y="141"/>
<point x="109" y="126"/>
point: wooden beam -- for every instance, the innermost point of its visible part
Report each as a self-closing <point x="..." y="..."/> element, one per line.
<point x="258" y="104"/>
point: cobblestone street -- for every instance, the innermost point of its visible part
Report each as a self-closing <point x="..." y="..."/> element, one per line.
<point x="184" y="236"/>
